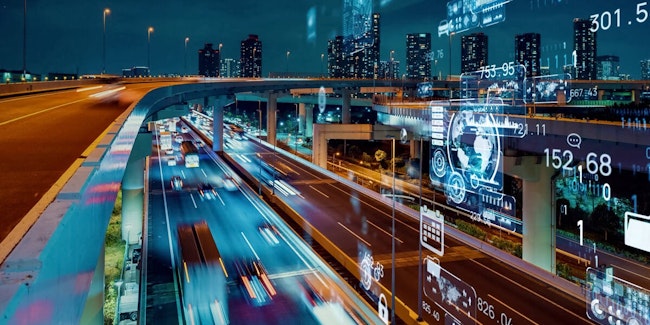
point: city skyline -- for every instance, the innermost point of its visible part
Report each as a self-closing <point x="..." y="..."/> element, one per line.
<point x="67" y="37"/>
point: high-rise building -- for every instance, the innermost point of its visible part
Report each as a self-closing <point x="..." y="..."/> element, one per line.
<point x="209" y="61"/>
<point x="357" y="19"/>
<point x="388" y="70"/>
<point x="229" y="68"/>
<point x="355" y="54"/>
<point x="584" y="45"/>
<point x="336" y="58"/>
<point x="418" y="65"/>
<point x="645" y="69"/>
<point x="250" y="61"/>
<point x="608" y="67"/>
<point x="528" y="53"/>
<point x="474" y="52"/>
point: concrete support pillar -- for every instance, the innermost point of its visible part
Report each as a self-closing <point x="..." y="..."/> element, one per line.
<point x="346" y="109"/>
<point x="94" y="310"/>
<point x="301" y="118"/>
<point x="309" y="120"/>
<point x="538" y="212"/>
<point x="217" y="121"/>
<point x="271" y="118"/>
<point x="133" y="189"/>
<point x="319" y="146"/>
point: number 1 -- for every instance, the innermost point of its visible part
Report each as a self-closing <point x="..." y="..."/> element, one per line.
<point x="580" y="226"/>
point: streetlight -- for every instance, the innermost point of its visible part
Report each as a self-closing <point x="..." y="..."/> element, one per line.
<point x="392" y="273"/>
<point x="220" y="59"/>
<point x="322" y="57"/>
<point x="149" y="31"/>
<point x="451" y="35"/>
<point x="25" y="40"/>
<point x="288" y="52"/>
<point x="187" y="39"/>
<point x="106" y="12"/>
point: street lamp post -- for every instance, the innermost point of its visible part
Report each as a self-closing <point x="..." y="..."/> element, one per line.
<point x="149" y="31"/>
<point x="288" y="52"/>
<point x="187" y="39"/>
<point x="451" y="35"/>
<point x="106" y="12"/>
<point x="322" y="57"/>
<point x="392" y="273"/>
<point x="24" y="40"/>
<point x="220" y="60"/>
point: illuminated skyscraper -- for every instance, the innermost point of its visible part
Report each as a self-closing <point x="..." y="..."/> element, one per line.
<point x="357" y="19"/>
<point x="608" y="67"/>
<point x="527" y="52"/>
<point x="474" y="52"/>
<point x="645" y="69"/>
<point x="388" y="70"/>
<point x="355" y="54"/>
<point x="418" y="47"/>
<point x="250" y="62"/>
<point x="209" y="61"/>
<point x="584" y="45"/>
<point x="336" y="58"/>
<point x="229" y="68"/>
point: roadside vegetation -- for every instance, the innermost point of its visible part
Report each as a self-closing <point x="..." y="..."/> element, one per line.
<point x="113" y="260"/>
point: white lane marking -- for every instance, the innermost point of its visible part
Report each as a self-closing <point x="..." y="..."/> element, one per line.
<point x="628" y="271"/>
<point x="193" y="201"/>
<point x="385" y="232"/>
<point x="79" y="90"/>
<point x="355" y="235"/>
<point x="219" y="196"/>
<point x="530" y="321"/>
<point x="204" y="174"/>
<point x="30" y="97"/>
<point x="530" y="291"/>
<point x="250" y="246"/>
<point x="371" y="206"/>
<point x="183" y="174"/>
<point x="321" y="193"/>
<point x="39" y="112"/>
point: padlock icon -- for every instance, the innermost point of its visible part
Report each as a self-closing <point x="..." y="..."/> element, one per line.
<point x="382" y="308"/>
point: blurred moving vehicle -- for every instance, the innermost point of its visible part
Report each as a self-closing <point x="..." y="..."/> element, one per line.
<point x="207" y="191"/>
<point x="177" y="183"/>
<point x="253" y="278"/>
<point x="269" y="232"/>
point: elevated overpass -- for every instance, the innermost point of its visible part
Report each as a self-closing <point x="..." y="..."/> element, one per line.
<point x="39" y="274"/>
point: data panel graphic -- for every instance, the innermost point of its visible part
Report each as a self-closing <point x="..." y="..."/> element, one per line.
<point x="454" y="299"/>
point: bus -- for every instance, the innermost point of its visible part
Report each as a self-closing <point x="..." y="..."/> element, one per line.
<point x="190" y="154"/>
<point x="203" y="276"/>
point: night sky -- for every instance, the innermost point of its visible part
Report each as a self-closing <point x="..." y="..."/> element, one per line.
<point x="66" y="36"/>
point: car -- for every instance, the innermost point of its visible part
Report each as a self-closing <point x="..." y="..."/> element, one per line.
<point x="207" y="191"/>
<point x="178" y="138"/>
<point x="269" y="232"/>
<point x="169" y="151"/>
<point x="177" y="183"/>
<point x="184" y="129"/>
<point x="229" y="183"/>
<point x="254" y="281"/>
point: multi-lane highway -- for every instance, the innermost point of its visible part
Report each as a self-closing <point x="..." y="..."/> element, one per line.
<point x="360" y="224"/>
<point x="246" y="231"/>
<point x="43" y="135"/>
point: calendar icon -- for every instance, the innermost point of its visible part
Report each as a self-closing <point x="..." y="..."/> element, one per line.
<point x="432" y="230"/>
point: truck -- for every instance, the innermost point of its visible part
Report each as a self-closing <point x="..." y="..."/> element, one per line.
<point x="165" y="140"/>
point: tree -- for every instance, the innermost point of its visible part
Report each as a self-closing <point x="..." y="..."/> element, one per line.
<point x="380" y="155"/>
<point x="605" y="220"/>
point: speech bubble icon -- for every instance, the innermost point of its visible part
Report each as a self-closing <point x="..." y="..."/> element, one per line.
<point x="574" y="140"/>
